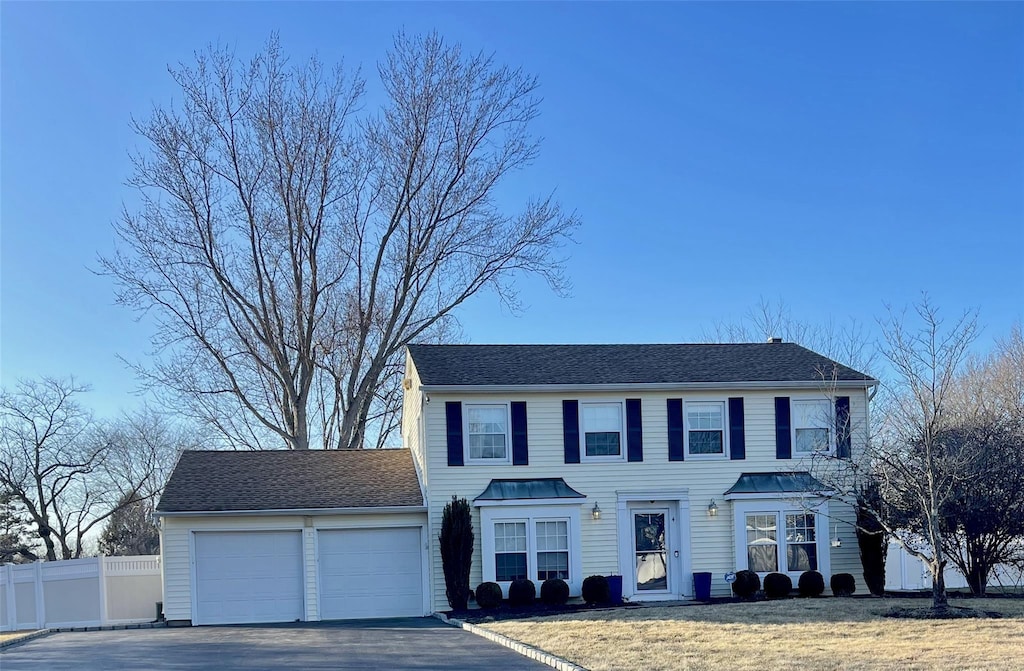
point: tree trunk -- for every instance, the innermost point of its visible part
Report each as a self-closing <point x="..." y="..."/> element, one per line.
<point x="977" y="579"/>
<point x="939" y="599"/>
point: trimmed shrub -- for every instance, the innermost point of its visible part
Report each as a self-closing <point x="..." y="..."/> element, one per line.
<point x="777" y="586"/>
<point x="554" y="592"/>
<point x="596" y="590"/>
<point x="456" y="551"/>
<point x="746" y="585"/>
<point x="811" y="583"/>
<point x="522" y="592"/>
<point x="843" y="584"/>
<point x="488" y="595"/>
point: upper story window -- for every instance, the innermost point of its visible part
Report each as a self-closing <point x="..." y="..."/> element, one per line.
<point x="487" y="434"/>
<point x="705" y="428"/>
<point x="601" y="425"/>
<point x="812" y="426"/>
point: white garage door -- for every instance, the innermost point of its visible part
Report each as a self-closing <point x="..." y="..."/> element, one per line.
<point x="248" y="576"/>
<point x="370" y="573"/>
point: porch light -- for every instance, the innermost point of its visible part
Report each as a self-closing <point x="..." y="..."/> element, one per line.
<point x="837" y="542"/>
<point x="712" y="509"/>
<point x="596" y="512"/>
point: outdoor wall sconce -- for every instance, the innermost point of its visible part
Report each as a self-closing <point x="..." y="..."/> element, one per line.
<point x="712" y="509"/>
<point x="837" y="542"/>
<point x="596" y="512"/>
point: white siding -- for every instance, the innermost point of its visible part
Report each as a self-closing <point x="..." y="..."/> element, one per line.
<point x="711" y="538"/>
<point x="175" y="543"/>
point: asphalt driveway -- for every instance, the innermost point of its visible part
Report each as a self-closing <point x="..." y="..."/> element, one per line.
<point x="420" y="643"/>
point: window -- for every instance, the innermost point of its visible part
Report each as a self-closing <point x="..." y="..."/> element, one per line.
<point x="762" y="543"/>
<point x="801" y="549"/>
<point x="553" y="550"/>
<point x="705" y="428"/>
<point x="812" y="421"/>
<point x="510" y="550"/>
<point x="602" y="429"/>
<point x="531" y="541"/>
<point x="487" y="432"/>
<point x="778" y="538"/>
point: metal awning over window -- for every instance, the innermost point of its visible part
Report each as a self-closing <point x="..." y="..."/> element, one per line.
<point x="794" y="482"/>
<point x="535" y="488"/>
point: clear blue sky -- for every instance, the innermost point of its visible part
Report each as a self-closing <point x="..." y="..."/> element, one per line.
<point x="834" y="155"/>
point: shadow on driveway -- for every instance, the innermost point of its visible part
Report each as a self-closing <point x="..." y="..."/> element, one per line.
<point x="415" y="643"/>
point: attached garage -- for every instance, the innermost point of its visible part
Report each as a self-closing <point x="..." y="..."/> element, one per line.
<point x="370" y="573"/>
<point x="248" y="576"/>
<point x="253" y="537"/>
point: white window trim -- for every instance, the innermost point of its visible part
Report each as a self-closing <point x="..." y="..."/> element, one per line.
<point x="621" y="456"/>
<point x="508" y="433"/>
<point x="725" y="429"/>
<point x="531" y="514"/>
<point x="793" y="401"/>
<point x="817" y="507"/>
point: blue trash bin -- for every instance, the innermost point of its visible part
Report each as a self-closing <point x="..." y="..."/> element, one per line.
<point x="702" y="586"/>
<point x="615" y="589"/>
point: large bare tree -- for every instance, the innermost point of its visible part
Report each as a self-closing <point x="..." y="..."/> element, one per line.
<point x="291" y="242"/>
<point x="61" y="467"/>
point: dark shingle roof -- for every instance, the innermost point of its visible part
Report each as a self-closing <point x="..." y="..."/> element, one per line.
<point x="776" y="483"/>
<point x="623" y="364"/>
<point x="302" y="479"/>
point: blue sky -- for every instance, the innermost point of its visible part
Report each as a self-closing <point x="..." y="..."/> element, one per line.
<point x="837" y="156"/>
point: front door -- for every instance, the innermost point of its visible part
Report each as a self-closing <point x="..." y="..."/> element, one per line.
<point x="650" y="550"/>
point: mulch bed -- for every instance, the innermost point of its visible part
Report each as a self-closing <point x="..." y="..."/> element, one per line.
<point x="506" y="612"/>
<point x="951" y="613"/>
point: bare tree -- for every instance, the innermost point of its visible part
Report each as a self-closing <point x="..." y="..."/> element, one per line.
<point x="916" y="458"/>
<point x="291" y="243"/>
<point x="67" y="471"/>
<point x="847" y="342"/>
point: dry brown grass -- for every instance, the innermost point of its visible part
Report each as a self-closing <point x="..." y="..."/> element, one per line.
<point x="10" y="635"/>
<point x="804" y="634"/>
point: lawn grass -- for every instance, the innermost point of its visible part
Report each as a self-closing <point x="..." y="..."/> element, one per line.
<point x="804" y="634"/>
<point x="10" y="635"/>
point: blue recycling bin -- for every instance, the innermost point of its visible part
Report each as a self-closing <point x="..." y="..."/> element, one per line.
<point x="702" y="586"/>
<point x="615" y="589"/>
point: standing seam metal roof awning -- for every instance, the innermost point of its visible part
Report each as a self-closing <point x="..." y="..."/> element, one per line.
<point x="776" y="483"/>
<point x="536" y="488"/>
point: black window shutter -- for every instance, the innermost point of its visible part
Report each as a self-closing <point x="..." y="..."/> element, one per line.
<point x="571" y="431"/>
<point x="634" y="430"/>
<point x="737" y="441"/>
<point x="843" y="427"/>
<point x="783" y="438"/>
<point x="453" y="414"/>
<point x="675" y="429"/>
<point x="520" y="445"/>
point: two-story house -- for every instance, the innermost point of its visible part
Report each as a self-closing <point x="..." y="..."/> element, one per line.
<point x="651" y="462"/>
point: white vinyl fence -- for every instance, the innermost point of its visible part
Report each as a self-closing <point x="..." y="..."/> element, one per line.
<point x="89" y="592"/>
<point x="905" y="572"/>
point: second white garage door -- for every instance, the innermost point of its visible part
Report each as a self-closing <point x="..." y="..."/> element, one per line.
<point x="247" y="577"/>
<point x="368" y="573"/>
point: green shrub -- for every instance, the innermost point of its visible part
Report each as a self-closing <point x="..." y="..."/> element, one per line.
<point x="843" y="584"/>
<point x="554" y="592"/>
<point x="596" y="590"/>
<point x="777" y="585"/>
<point x="811" y="583"/>
<point x="488" y="595"/>
<point x="746" y="585"/>
<point x="456" y="551"/>
<point x="521" y="592"/>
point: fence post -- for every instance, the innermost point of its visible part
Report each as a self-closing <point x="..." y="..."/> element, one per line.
<point x="40" y="600"/>
<point x="12" y="603"/>
<point x="101" y="572"/>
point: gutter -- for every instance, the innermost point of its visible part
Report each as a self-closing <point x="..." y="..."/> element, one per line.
<point x="293" y="511"/>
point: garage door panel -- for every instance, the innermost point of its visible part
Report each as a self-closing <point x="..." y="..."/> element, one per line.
<point x="248" y="577"/>
<point x="370" y="573"/>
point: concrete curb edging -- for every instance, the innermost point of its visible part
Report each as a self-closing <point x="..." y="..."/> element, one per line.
<point x="25" y="639"/>
<point x="523" y="649"/>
